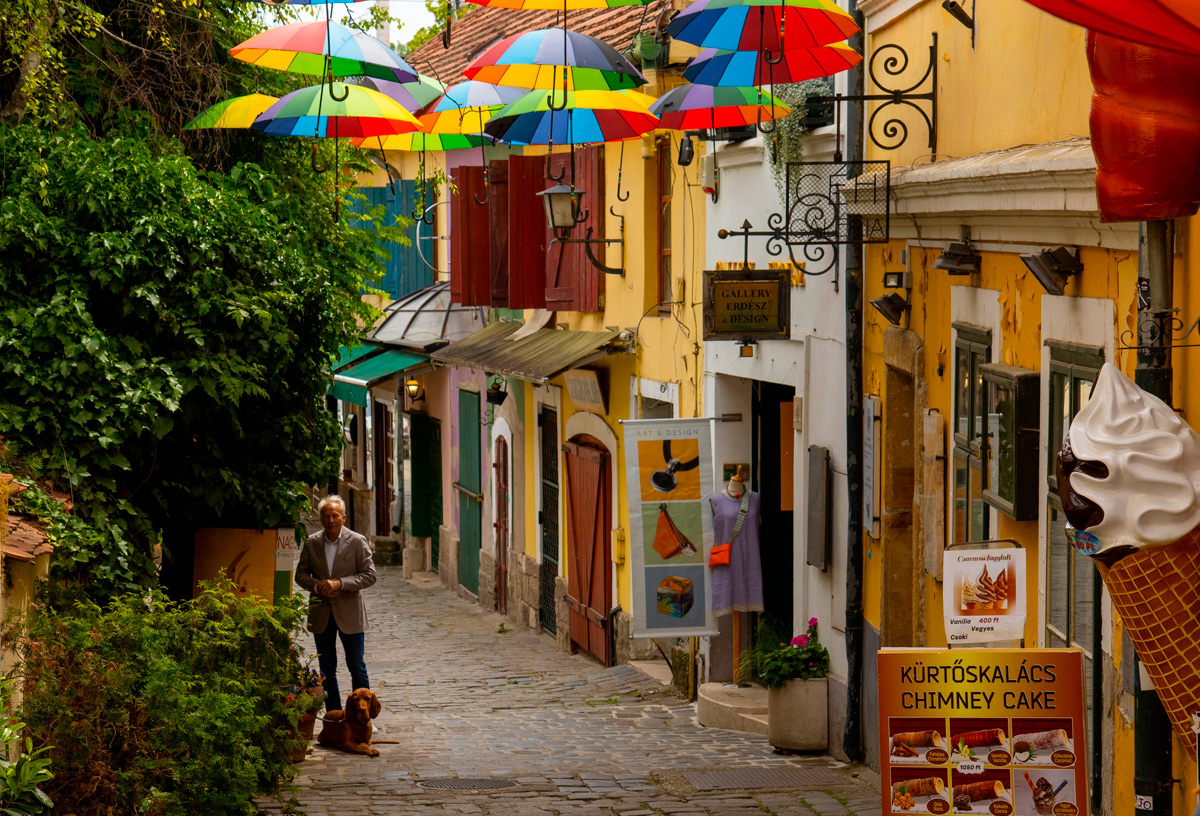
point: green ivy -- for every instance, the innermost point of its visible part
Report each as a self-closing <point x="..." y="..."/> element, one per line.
<point x="790" y="130"/>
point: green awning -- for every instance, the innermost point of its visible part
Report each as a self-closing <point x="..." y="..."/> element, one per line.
<point x="348" y="354"/>
<point x="351" y="385"/>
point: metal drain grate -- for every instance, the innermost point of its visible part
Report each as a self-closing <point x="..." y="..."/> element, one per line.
<point x="781" y="777"/>
<point x="467" y="784"/>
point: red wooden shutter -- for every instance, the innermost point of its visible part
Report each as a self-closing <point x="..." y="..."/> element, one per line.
<point x="470" y="242"/>
<point x="497" y="209"/>
<point x="572" y="283"/>
<point x="527" y="233"/>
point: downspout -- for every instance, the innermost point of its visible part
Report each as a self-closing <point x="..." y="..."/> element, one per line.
<point x="852" y="743"/>
<point x="1152" y="741"/>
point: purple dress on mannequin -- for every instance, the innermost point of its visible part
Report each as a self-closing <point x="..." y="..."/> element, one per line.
<point x="738" y="586"/>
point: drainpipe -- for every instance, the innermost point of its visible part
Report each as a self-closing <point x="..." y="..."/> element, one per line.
<point x="1152" y="773"/>
<point x="852" y="743"/>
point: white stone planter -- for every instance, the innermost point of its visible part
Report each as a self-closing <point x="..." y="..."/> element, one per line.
<point x="798" y="715"/>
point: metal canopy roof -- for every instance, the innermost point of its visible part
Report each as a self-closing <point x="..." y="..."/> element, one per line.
<point x="533" y="358"/>
<point x="426" y="319"/>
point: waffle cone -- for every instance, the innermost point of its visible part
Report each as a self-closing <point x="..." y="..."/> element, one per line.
<point x="1156" y="591"/>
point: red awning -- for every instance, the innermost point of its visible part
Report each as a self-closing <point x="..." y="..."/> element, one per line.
<point x="1170" y="24"/>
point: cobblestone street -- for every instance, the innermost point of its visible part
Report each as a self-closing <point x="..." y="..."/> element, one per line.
<point x="467" y="701"/>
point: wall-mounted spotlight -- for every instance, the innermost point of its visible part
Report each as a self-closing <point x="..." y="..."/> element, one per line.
<point x="891" y="306"/>
<point x="958" y="258"/>
<point x="687" y="151"/>
<point x="897" y="280"/>
<point x="959" y="13"/>
<point x="1053" y="267"/>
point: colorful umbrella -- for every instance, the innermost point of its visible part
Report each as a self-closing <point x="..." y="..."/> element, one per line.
<point x="467" y="107"/>
<point x="237" y="113"/>
<point x="322" y="48"/>
<point x="757" y="25"/>
<point x="576" y="117"/>
<point x="357" y="112"/>
<point x="1171" y="24"/>
<point x="423" y="142"/>
<point x="744" y="68"/>
<point x="412" y="96"/>
<point x="559" y="5"/>
<point x="699" y="107"/>
<point x="536" y="59"/>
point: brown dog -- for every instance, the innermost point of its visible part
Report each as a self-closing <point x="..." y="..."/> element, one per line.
<point x="350" y="729"/>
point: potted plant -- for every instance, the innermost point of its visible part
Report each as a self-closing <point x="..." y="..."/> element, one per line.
<point x="304" y="707"/>
<point x="797" y="692"/>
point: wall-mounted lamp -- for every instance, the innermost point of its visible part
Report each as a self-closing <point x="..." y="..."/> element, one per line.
<point x="959" y="13"/>
<point x="1053" y="267"/>
<point x="564" y="211"/>
<point x="958" y="259"/>
<point x="892" y="307"/>
<point x="687" y="151"/>
<point x="413" y="387"/>
<point x="897" y="280"/>
<point x="497" y="393"/>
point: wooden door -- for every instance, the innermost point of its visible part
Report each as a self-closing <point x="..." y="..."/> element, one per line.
<point x="469" y="487"/>
<point x="548" y="517"/>
<point x="501" y="525"/>
<point x="589" y="581"/>
<point x="385" y="463"/>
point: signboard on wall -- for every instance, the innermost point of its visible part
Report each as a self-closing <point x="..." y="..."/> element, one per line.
<point x="747" y="304"/>
<point x="247" y="557"/>
<point x="984" y="594"/>
<point x="996" y="731"/>
<point x="669" y="477"/>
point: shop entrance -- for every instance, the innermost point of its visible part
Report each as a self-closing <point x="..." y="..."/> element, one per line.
<point x="548" y="516"/>
<point x="470" y="495"/>
<point x="771" y="416"/>
<point x="501" y="525"/>
<point x="589" y="579"/>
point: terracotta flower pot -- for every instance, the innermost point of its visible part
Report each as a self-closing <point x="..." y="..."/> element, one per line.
<point x="304" y="733"/>
<point x="798" y="715"/>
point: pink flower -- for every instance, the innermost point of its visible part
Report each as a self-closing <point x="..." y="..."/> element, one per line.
<point x="812" y="621"/>
<point x="800" y="640"/>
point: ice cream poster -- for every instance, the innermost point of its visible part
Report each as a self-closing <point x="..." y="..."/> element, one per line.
<point x="996" y="731"/>
<point x="669" y="475"/>
<point x="984" y="597"/>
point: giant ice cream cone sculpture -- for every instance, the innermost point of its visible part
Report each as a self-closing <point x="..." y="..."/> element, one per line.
<point x="1129" y="479"/>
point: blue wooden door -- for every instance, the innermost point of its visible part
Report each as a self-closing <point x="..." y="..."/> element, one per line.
<point x="470" y="490"/>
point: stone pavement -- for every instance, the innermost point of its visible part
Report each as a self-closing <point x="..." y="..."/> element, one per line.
<point x="468" y="701"/>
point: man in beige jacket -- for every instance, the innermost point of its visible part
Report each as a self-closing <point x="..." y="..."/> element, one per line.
<point x="335" y="566"/>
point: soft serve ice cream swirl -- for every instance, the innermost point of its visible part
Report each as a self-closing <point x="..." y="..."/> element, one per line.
<point x="1152" y="492"/>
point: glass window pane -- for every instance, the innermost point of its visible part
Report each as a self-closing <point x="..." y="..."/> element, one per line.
<point x="979" y="509"/>
<point x="1060" y="407"/>
<point x="1082" y="604"/>
<point x="960" y="532"/>
<point x="1058" y="593"/>
<point x="1083" y="394"/>
<point x="962" y="376"/>
<point x="977" y="406"/>
<point x="1001" y="438"/>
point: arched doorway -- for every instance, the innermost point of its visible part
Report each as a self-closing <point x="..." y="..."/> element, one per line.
<point x="589" y="578"/>
<point x="500" y="525"/>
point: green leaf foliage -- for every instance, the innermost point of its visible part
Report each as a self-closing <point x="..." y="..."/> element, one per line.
<point x="803" y="658"/>
<point x="160" y="707"/>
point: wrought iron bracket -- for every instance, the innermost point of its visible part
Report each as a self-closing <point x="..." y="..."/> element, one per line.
<point x="1160" y="330"/>
<point x="893" y="130"/>
<point x="588" y="241"/>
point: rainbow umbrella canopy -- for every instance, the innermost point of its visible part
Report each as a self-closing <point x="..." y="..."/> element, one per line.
<point x="700" y="107"/>
<point x="537" y="59"/>
<point x="762" y="25"/>
<point x="467" y="107"/>
<point x="559" y="5"/>
<point x="1170" y="24"/>
<point x="323" y="48"/>
<point x="423" y="142"/>
<point x="573" y="118"/>
<point x="745" y="68"/>
<point x="356" y="112"/>
<point x="237" y="113"/>
<point x="412" y="96"/>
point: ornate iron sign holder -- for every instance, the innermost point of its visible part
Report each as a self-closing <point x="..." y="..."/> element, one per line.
<point x="1159" y="330"/>
<point x="816" y="221"/>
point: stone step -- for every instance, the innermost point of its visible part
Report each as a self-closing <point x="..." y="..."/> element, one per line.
<point x="734" y="708"/>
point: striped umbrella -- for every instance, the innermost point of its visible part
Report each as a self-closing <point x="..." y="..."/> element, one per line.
<point x="467" y="107"/>
<point x="700" y="107"/>
<point x="323" y="48"/>
<point x="356" y="112"/>
<point x="412" y="96"/>
<point x="758" y="25"/>
<point x="538" y="59"/>
<point x="576" y="117"/>
<point x="237" y="113"/>
<point x="422" y="142"/>
<point x="744" y="68"/>
<point x="559" y="5"/>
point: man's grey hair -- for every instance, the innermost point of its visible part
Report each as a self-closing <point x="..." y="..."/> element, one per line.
<point x="328" y="500"/>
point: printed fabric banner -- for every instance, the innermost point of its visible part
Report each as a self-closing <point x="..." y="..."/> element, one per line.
<point x="996" y="731"/>
<point x="669" y="475"/>
<point x="984" y="597"/>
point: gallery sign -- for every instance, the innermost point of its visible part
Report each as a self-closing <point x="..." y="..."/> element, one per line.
<point x="984" y="597"/>
<point x="747" y="304"/>
<point x="996" y="731"/>
<point x="669" y="476"/>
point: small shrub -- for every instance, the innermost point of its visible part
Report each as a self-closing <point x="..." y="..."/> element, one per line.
<point x="162" y="708"/>
<point x="19" y="780"/>
<point x="804" y="658"/>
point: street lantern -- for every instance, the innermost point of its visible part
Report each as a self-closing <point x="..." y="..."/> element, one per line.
<point x="413" y="387"/>
<point x="562" y="207"/>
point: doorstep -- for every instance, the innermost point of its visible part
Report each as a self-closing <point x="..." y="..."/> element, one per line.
<point x="735" y="708"/>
